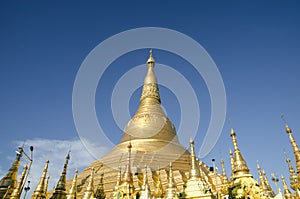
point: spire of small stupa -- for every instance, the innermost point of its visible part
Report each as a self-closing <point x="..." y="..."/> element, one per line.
<point x="127" y="176"/>
<point x="194" y="170"/>
<point x="159" y="192"/>
<point x="231" y="164"/>
<point x="9" y="181"/>
<point x="39" y="192"/>
<point x="46" y="186"/>
<point x="89" y="192"/>
<point x="295" y="149"/>
<point x="293" y="176"/>
<point x="240" y="165"/>
<point x="118" y="179"/>
<point x="100" y="194"/>
<point x="286" y="192"/>
<point x="150" y="90"/>
<point x="18" y="190"/>
<point x="224" y="176"/>
<point x="146" y="193"/>
<point x="171" y="187"/>
<point x="262" y="183"/>
<point x="60" y="189"/>
<point x="73" y="190"/>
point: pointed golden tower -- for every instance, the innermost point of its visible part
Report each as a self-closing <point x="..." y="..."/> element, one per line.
<point x="293" y="176"/>
<point x="242" y="184"/>
<point x="224" y="179"/>
<point x="231" y="164"/>
<point x="224" y="176"/>
<point x="73" y="190"/>
<point x="159" y="192"/>
<point x="195" y="185"/>
<point x="118" y="179"/>
<point x="145" y="193"/>
<point x="100" y="194"/>
<point x="9" y="182"/>
<point x="171" y="190"/>
<point x="18" y="190"/>
<point x="262" y="183"/>
<point x="127" y="187"/>
<point x="286" y="192"/>
<point x="39" y="192"/>
<point x="240" y="166"/>
<point x="60" y="189"/>
<point x="295" y="149"/>
<point x="194" y="169"/>
<point x="46" y="186"/>
<point x="153" y="136"/>
<point x="89" y="192"/>
<point x="270" y="192"/>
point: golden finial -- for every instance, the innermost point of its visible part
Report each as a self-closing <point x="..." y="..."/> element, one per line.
<point x="18" y="190"/>
<point x="40" y="189"/>
<point x="9" y="181"/>
<point x="286" y="192"/>
<point x="194" y="169"/>
<point x="293" y="176"/>
<point x="224" y="176"/>
<point x="145" y="185"/>
<point x="46" y="186"/>
<point x="73" y="190"/>
<point x="287" y="128"/>
<point x="171" y="187"/>
<point x="295" y="148"/>
<point x="127" y="176"/>
<point x="150" y="60"/>
<point x="159" y="192"/>
<point x="89" y="193"/>
<point x="240" y="165"/>
<point x="60" y="189"/>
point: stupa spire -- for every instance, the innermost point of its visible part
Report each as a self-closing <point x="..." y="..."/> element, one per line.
<point x="295" y="149"/>
<point x="224" y="176"/>
<point x="127" y="176"/>
<point x="89" y="193"/>
<point x="118" y="179"/>
<point x="39" y="192"/>
<point x="171" y="187"/>
<point x="73" y="190"/>
<point x="293" y="176"/>
<point x="286" y="192"/>
<point x="150" y="89"/>
<point x="262" y="183"/>
<point x="9" y="181"/>
<point x="231" y="164"/>
<point x="60" y="189"/>
<point x="100" y="194"/>
<point x="240" y="165"/>
<point x="159" y="192"/>
<point x="46" y="186"/>
<point x="18" y="190"/>
<point x="194" y="170"/>
<point x="146" y="193"/>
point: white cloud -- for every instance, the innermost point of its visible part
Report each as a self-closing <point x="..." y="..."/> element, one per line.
<point x="55" y="151"/>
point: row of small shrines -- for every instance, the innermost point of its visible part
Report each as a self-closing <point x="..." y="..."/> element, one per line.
<point x="241" y="183"/>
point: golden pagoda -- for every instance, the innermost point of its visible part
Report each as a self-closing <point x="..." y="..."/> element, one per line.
<point x="169" y="170"/>
<point x="153" y="140"/>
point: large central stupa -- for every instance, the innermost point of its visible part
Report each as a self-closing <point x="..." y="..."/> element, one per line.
<point x="154" y="143"/>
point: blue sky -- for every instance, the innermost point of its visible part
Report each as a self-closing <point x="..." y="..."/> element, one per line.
<point x="255" y="45"/>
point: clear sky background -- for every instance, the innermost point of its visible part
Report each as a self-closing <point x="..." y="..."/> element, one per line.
<point x="255" y="44"/>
